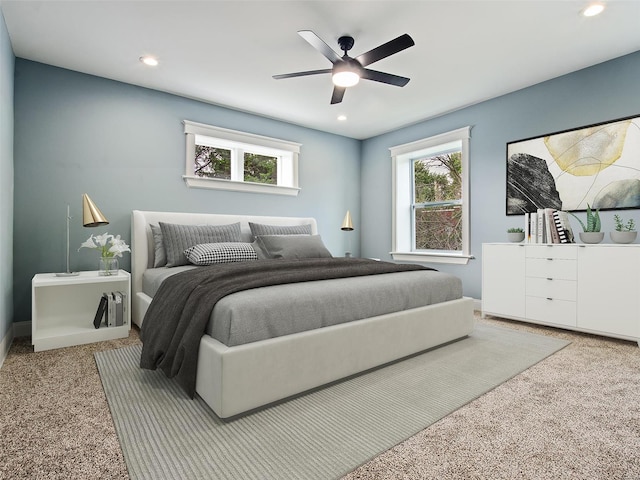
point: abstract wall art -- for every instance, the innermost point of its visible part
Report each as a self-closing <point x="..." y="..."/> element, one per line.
<point x="596" y="164"/>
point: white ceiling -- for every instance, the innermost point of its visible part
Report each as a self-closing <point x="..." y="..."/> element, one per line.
<point x="225" y="52"/>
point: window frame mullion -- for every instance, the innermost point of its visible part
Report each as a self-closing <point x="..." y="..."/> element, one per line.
<point x="237" y="164"/>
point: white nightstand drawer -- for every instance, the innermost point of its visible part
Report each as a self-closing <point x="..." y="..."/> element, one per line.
<point x="551" y="268"/>
<point x="569" y="252"/>
<point x="551" y="288"/>
<point x="560" y="312"/>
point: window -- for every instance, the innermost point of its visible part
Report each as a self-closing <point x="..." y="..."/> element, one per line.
<point x="230" y="160"/>
<point x="430" y="196"/>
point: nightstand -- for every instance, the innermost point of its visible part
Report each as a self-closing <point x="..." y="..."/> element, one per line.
<point x="63" y="309"/>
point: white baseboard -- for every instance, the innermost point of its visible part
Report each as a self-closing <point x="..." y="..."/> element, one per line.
<point x="5" y="345"/>
<point x="477" y="305"/>
<point x="19" y="329"/>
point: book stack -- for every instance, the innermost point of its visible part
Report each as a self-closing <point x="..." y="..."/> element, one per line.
<point x="547" y="225"/>
<point x="112" y="310"/>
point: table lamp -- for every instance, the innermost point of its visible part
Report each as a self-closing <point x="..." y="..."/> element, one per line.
<point x="347" y="226"/>
<point x="91" y="217"/>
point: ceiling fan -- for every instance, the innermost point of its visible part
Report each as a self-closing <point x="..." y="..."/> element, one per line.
<point x="347" y="71"/>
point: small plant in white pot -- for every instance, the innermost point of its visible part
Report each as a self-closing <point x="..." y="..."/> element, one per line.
<point x="591" y="231"/>
<point x="515" y="234"/>
<point x="624" y="232"/>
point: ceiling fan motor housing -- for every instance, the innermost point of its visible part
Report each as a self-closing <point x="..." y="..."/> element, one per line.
<point x="346" y="43"/>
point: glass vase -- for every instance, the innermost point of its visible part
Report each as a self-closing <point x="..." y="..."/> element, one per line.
<point x="108" y="266"/>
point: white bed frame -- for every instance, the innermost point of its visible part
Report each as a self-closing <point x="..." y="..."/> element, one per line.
<point x="234" y="380"/>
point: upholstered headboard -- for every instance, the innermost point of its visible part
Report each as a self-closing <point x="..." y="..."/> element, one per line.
<point x="142" y="245"/>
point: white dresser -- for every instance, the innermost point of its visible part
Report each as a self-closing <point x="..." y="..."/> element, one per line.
<point x="590" y="288"/>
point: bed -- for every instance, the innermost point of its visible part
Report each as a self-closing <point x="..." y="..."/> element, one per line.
<point x="236" y="378"/>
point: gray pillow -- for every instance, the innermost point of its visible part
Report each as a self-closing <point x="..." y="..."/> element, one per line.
<point x="261" y="229"/>
<point x="159" y="256"/>
<point x="292" y="246"/>
<point x="177" y="238"/>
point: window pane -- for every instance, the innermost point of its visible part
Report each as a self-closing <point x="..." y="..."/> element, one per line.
<point x="438" y="178"/>
<point x="260" y="168"/>
<point x="438" y="227"/>
<point x="212" y="162"/>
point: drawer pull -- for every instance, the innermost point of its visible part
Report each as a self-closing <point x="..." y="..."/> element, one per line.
<point x="549" y="298"/>
<point x="549" y="258"/>
<point x="549" y="278"/>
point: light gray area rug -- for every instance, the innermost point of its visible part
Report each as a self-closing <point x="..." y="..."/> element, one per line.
<point x="321" y="435"/>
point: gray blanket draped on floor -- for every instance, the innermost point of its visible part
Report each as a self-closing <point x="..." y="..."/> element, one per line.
<point x="178" y="315"/>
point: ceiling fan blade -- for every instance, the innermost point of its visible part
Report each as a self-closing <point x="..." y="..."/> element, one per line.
<point x="382" y="77"/>
<point x="394" y="46"/>
<point x="338" y="93"/>
<point x="302" y="74"/>
<point x="317" y="43"/>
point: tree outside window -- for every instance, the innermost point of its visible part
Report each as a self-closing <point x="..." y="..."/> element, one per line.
<point x="260" y="168"/>
<point x="437" y="203"/>
<point x="212" y="162"/>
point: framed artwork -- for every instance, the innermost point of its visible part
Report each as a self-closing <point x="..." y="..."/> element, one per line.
<point x="598" y="165"/>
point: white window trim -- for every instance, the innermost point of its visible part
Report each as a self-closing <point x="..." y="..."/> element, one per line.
<point x="287" y="167"/>
<point x="402" y="156"/>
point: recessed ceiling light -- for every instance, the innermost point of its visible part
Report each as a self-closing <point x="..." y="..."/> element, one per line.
<point x="342" y="118"/>
<point x="149" y="60"/>
<point x="593" y="10"/>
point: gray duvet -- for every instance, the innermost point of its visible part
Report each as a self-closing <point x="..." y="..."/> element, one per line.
<point x="273" y="311"/>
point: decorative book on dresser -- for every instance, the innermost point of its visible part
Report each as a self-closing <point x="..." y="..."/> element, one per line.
<point x="588" y="288"/>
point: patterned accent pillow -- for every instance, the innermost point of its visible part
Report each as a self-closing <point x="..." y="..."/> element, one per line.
<point x="261" y="229"/>
<point x="226" y="252"/>
<point x="177" y="238"/>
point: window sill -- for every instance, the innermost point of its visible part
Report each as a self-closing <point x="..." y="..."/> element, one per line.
<point x="212" y="183"/>
<point x="432" y="257"/>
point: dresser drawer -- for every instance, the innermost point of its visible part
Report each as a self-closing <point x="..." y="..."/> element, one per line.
<point x="552" y="251"/>
<point x="551" y="288"/>
<point x="551" y="268"/>
<point x="558" y="312"/>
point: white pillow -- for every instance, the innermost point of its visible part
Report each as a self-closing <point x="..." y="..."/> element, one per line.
<point x="225" y="252"/>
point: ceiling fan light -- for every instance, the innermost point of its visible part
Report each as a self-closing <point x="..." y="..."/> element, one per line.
<point x="345" y="78"/>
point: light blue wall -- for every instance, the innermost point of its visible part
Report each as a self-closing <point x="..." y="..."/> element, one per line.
<point x="125" y="147"/>
<point x="603" y="92"/>
<point x="6" y="180"/>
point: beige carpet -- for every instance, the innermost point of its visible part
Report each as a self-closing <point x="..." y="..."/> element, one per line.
<point x="575" y="415"/>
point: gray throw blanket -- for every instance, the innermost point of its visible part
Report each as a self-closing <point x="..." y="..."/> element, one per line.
<point x="178" y="315"/>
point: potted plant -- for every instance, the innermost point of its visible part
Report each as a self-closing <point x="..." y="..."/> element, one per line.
<point x="624" y="232"/>
<point x="515" y="234"/>
<point x="591" y="231"/>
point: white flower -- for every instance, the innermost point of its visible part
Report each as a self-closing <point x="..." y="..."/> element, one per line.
<point x="108" y="245"/>
<point x="89" y="243"/>
<point x="118" y="246"/>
